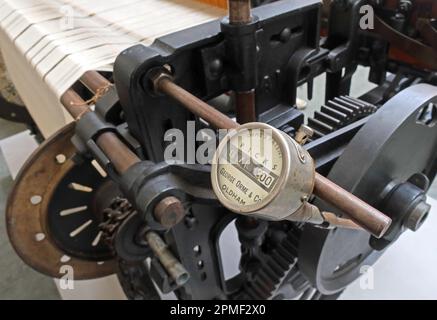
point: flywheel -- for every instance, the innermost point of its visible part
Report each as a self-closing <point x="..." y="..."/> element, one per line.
<point x="55" y="208"/>
<point x="396" y="143"/>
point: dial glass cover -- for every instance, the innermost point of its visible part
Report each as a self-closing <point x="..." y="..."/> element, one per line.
<point x="249" y="167"/>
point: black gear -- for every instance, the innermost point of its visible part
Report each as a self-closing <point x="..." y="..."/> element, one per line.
<point x="337" y="114"/>
<point x="276" y="268"/>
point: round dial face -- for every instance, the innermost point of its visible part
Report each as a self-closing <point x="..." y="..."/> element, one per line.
<point x="249" y="167"/>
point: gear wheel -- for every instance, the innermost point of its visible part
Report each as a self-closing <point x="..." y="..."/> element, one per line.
<point x="277" y="268"/>
<point x="337" y="114"/>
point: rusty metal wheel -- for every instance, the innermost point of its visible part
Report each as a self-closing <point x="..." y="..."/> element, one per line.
<point x="55" y="208"/>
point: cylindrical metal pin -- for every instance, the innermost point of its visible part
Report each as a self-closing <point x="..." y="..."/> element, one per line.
<point x="169" y="211"/>
<point x="245" y="106"/>
<point x="173" y="267"/>
<point x="239" y="12"/>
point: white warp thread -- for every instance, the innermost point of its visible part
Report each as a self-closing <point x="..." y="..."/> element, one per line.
<point x="61" y="39"/>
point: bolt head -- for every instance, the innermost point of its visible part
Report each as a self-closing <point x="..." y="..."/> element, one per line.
<point x="157" y="77"/>
<point x="216" y="67"/>
<point x="417" y="216"/>
<point x="169" y="211"/>
<point x="285" y="35"/>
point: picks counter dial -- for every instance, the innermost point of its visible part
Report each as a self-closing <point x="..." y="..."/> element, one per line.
<point x="257" y="168"/>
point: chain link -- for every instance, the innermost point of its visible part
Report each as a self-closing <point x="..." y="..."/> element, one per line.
<point x="115" y="214"/>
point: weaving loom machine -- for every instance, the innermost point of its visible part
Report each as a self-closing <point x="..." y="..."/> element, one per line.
<point x="104" y="200"/>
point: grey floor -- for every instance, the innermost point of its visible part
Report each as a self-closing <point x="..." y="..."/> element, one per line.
<point x="17" y="281"/>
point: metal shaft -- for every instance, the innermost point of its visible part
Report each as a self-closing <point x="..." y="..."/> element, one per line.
<point x="245" y="106"/>
<point x="239" y="14"/>
<point x="74" y="104"/>
<point x="173" y="267"/>
<point x="94" y="81"/>
<point x="195" y="105"/>
<point x="360" y="212"/>
<point x="121" y="157"/>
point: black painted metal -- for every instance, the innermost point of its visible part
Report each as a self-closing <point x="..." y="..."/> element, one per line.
<point x="16" y="113"/>
<point x="392" y="146"/>
<point x="65" y="197"/>
<point x="208" y="60"/>
<point x="197" y="58"/>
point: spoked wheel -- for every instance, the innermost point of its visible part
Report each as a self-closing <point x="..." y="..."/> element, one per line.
<point x="399" y="141"/>
<point x="55" y="208"/>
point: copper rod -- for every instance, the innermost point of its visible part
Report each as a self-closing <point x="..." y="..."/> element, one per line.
<point x="74" y="104"/>
<point x="195" y="105"/>
<point x="245" y="106"/>
<point x="116" y="151"/>
<point x="121" y="157"/>
<point x="360" y="212"/>
<point x="239" y="12"/>
<point x="94" y="81"/>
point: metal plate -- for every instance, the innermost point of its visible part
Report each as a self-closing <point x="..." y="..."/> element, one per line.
<point x="11" y="105"/>
<point x="391" y="146"/>
<point x="36" y="197"/>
